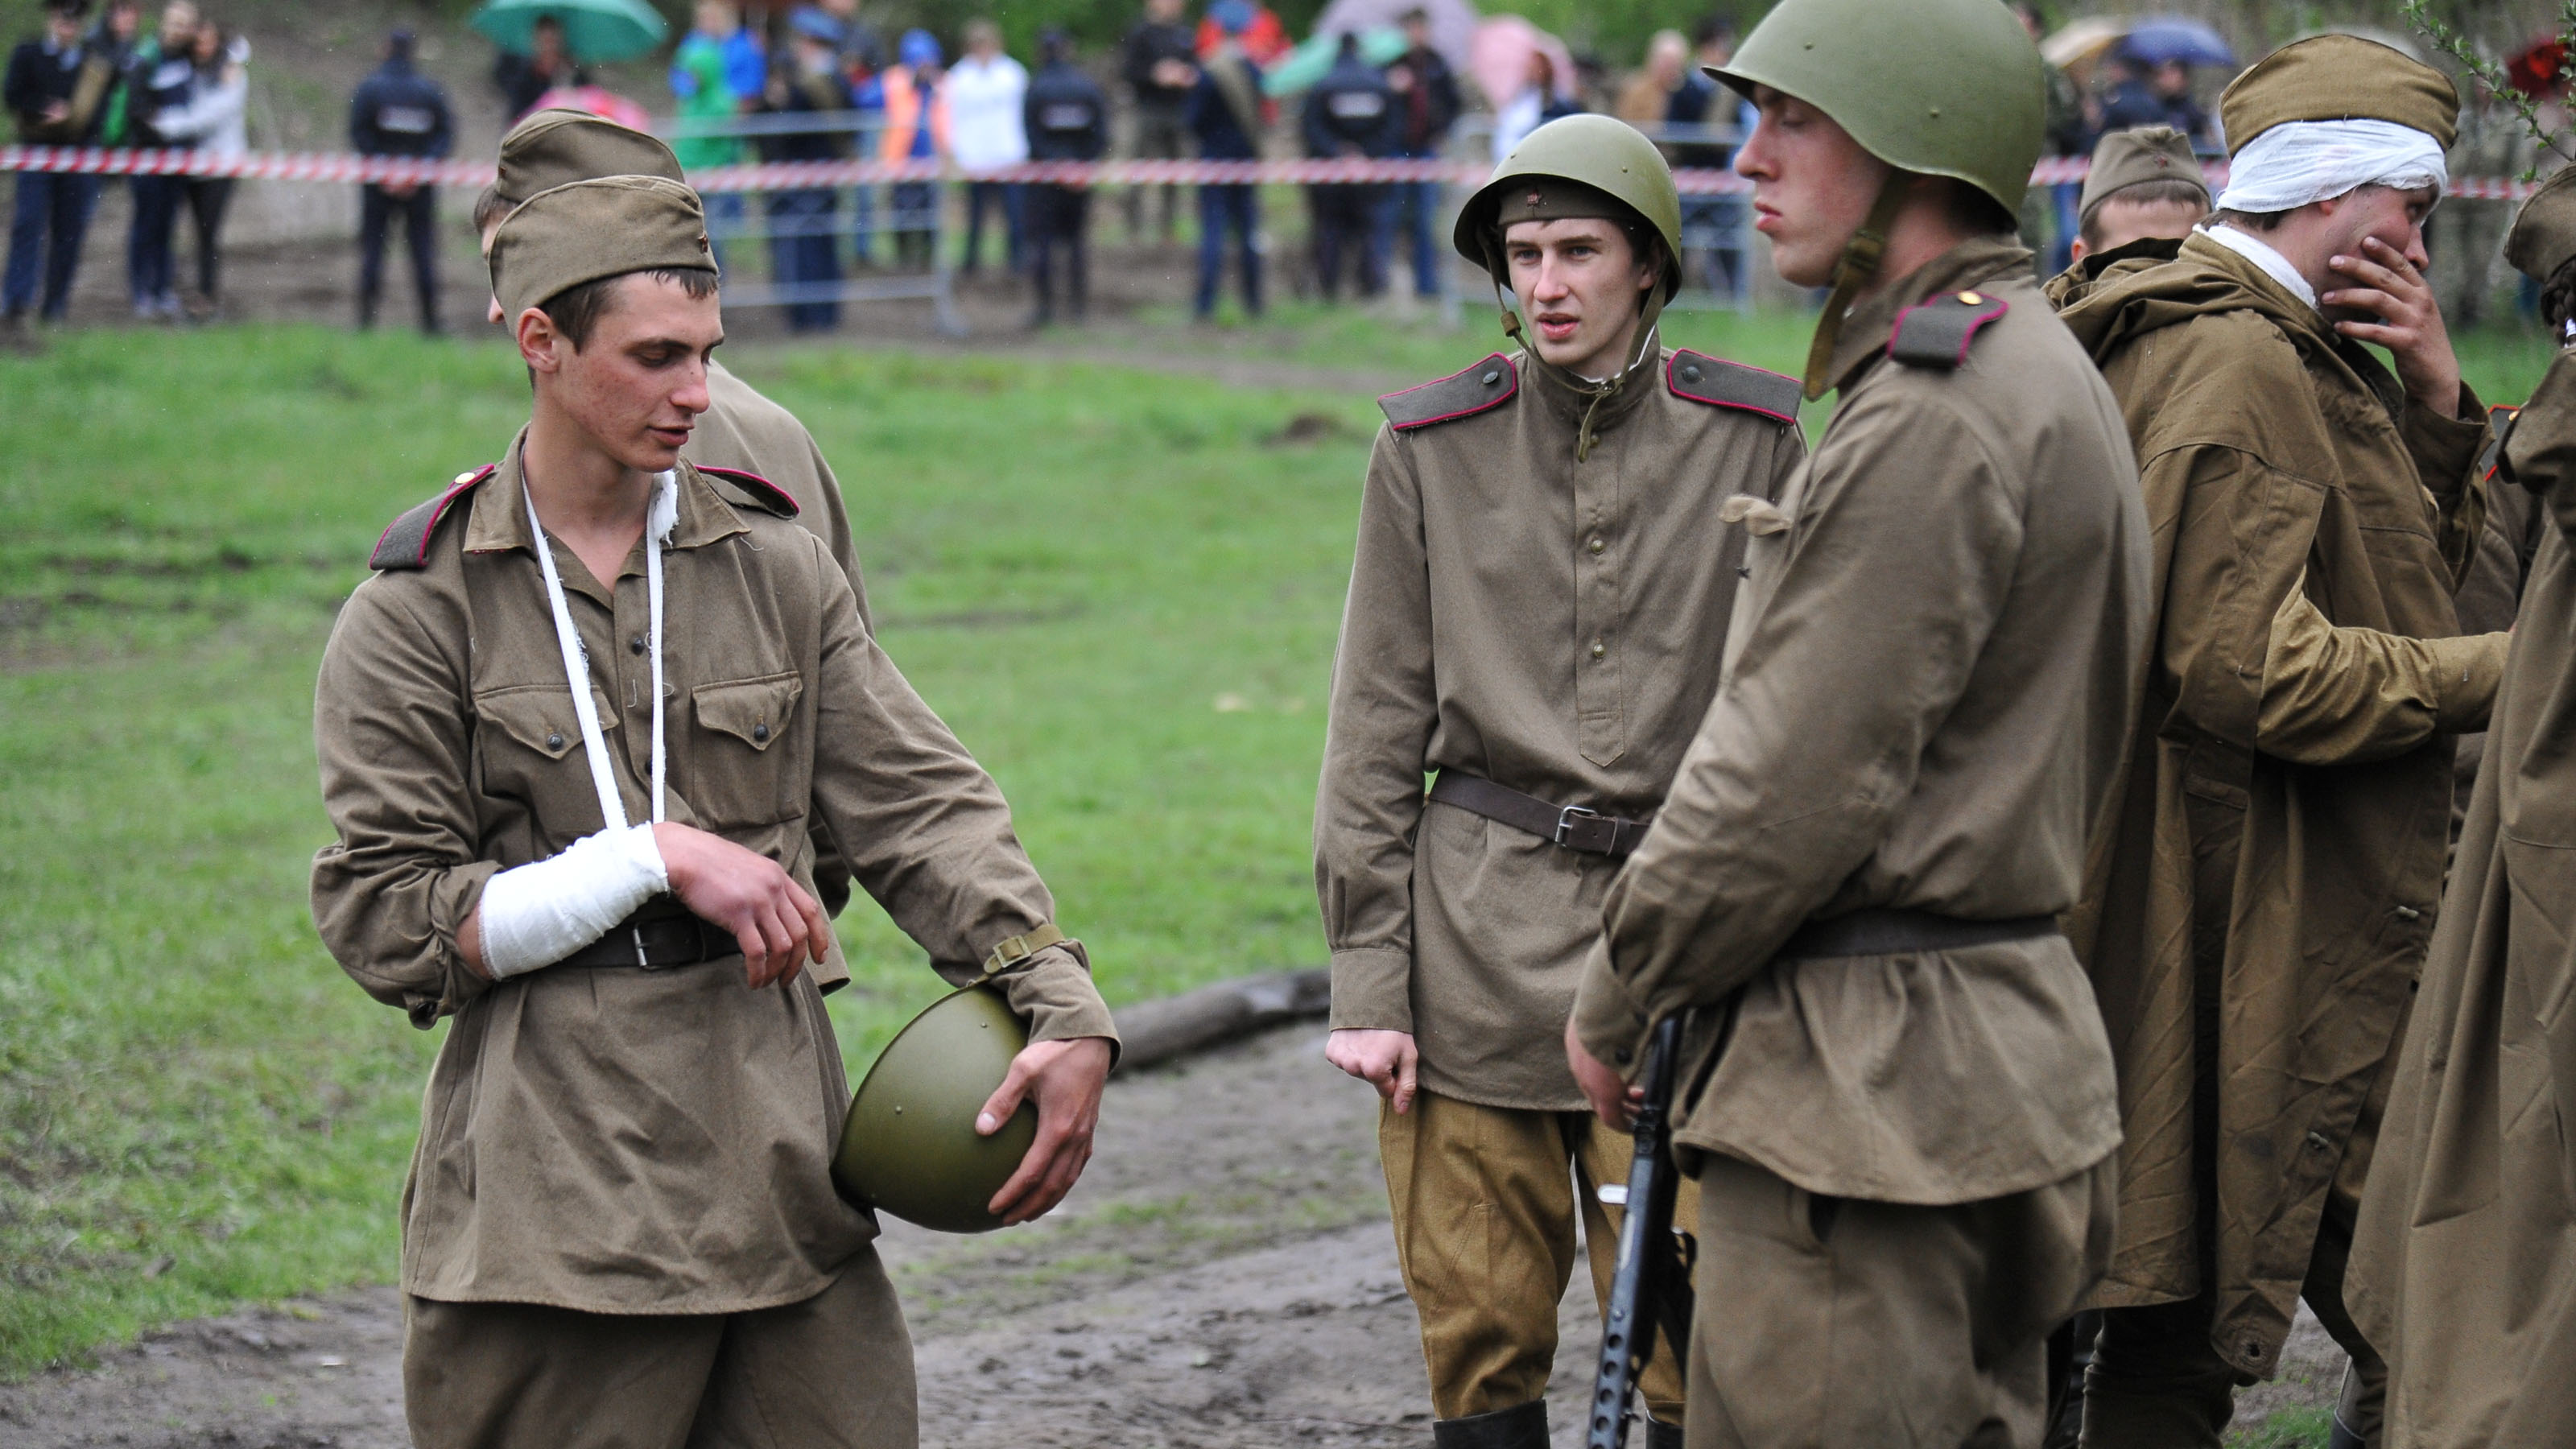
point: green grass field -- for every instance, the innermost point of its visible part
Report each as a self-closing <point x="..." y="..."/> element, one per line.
<point x="1119" y="585"/>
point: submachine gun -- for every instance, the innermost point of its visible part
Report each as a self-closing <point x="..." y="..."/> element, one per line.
<point x="1653" y="1287"/>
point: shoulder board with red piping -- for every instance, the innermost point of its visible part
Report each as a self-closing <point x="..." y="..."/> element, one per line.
<point x="1723" y="384"/>
<point x="759" y="491"/>
<point x="1939" y="332"/>
<point x="405" y="541"/>
<point x="2500" y="421"/>
<point x="1481" y="388"/>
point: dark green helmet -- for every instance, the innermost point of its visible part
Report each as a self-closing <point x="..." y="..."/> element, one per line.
<point x="1601" y="152"/>
<point x="908" y="1146"/>
<point x="1944" y="87"/>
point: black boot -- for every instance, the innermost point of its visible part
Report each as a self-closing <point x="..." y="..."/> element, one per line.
<point x="1522" y="1426"/>
<point x="1660" y="1435"/>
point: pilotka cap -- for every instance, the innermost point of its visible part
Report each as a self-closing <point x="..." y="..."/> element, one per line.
<point x="606" y="227"/>
<point x="2135" y="157"/>
<point x="2543" y="238"/>
<point x="557" y="147"/>
<point x="2339" y="78"/>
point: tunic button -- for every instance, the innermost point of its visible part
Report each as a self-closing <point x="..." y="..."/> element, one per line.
<point x="554" y="742"/>
<point x="1491" y="378"/>
<point x="1624" y="1055"/>
<point x="1690" y="374"/>
<point x="1596" y="545"/>
<point x="1599" y="649"/>
<point x="760" y="733"/>
<point x="2409" y="913"/>
<point x="636" y="644"/>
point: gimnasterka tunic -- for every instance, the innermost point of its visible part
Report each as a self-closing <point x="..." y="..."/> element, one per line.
<point x="1922" y="709"/>
<point x="1548" y="622"/>
<point x="2286" y="806"/>
<point x="620" y="1140"/>
<point x="2464" y="1259"/>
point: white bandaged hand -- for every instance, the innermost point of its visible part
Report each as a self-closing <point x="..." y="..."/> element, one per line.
<point x="537" y="914"/>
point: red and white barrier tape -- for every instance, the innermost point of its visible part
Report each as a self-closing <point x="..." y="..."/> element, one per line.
<point x="796" y="175"/>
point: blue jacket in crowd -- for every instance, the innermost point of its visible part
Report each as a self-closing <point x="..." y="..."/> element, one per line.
<point x="1066" y="114"/>
<point x="1351" y="109"/>
<point x="400" y="112"/>
<point x="1221" y="134"/>
<point x="40" y="74"/>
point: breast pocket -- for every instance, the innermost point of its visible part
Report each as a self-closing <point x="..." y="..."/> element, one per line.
<point x="529" y="743"/>
<point x="748" y="769"/>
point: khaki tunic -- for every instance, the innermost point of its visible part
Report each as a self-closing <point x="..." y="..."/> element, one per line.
<point x="1923" y="705"/>
<point x="2285" y="808"/>
<point x="1549" y="624"/>
<point x="742" y="429"/>
<point x="2464" y="1260"/>
<point x="621" y="1140"/>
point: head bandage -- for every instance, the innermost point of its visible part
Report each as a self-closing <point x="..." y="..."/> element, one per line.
<point x="2299" y="162"/>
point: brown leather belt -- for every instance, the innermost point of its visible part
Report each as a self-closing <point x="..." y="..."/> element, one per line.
<point x="655" y="938"/>
<point x="1891" y="931"/>
<point x="1571" y="826"/>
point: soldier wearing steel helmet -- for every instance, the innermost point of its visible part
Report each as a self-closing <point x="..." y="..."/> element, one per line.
<point x="1899" y="1103"/>
<point x="1537" y="607"/>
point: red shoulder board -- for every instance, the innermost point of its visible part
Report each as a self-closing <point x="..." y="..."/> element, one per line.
<point x="405" y="541"/>
<point x="1481" y="388"/>
<point x="1723" y="384"/>
<point x="1938" y="333"/>
<point x="2500" y="421"/>
<point x="759" y="490"/>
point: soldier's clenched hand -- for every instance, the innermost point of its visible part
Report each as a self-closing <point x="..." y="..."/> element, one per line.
<point x="1065" y="1078"/>
<point x="778" y="926"/>
<point x="1612" y="1099"/>
<point x="2409" y="322"/>
<point x="1385" y="1060"/>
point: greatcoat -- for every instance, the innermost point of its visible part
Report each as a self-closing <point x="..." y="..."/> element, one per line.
<point x="2258" y="902"/>
<point x="2464" y="1261"/>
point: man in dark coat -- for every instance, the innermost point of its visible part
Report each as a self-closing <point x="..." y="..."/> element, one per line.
<point x="54" y="92"/>
<point x="1350" y="115"/>
<point x="399" y="112"/>
<point x="1426" y="106"/>
<point x="1067" y="118"/>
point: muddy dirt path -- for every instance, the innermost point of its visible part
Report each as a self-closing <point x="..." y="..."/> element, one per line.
<point x="1222" y="1279"/>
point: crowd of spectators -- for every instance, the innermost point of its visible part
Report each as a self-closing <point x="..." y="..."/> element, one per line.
<point x="99" y="80"/>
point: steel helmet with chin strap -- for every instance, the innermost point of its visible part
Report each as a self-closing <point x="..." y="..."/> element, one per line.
<point x="1950" y="88"/>
<point x="1601" y="152"/>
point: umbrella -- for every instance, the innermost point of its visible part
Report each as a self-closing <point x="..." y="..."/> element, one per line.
<point x="1453" y="23"/>
<point x="1499" y="58"/>
<point x="2075" y="48"/>
<point x="2170" y="37"/>
<point x="594" y="30"/>
<point x="1307" y="63"/>
<point x="606" y="104"/>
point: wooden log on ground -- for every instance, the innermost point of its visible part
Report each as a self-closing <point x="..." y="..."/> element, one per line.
<point x="1153" y="1032"/>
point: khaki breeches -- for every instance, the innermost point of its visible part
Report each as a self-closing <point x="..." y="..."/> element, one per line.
<point x="834" y="1370"/>
<point x="1484" y="1201"/>
<point x="1826" y="1323"/>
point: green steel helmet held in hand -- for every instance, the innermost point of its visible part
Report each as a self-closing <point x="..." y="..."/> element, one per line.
<point x="908" y="1146"/>
<point x="1943" y="87"/>
<point x="1600" y="152"/>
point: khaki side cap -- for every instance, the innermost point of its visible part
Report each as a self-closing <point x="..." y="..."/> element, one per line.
<point x="2135" y="157"/>
<point x="557" y="147"/>
<point x="2339" y="78"/>
<point x="607" y="227"/>
<point x="2543" y="238"/>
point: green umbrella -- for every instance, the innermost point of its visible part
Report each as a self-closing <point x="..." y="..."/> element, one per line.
<point x="594" y="30"/>
<point x="1299" y="69"/>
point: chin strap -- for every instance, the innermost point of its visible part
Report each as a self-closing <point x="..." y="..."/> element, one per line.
<point x="1857" y="268"/>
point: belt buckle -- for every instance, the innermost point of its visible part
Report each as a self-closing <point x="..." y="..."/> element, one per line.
<point x="643" y="958"/>
<point x="1565" y="818"/>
